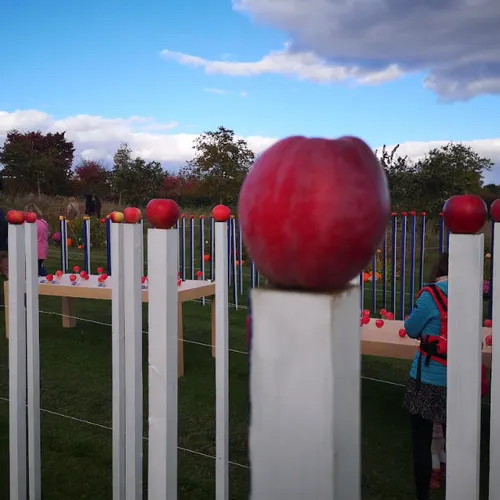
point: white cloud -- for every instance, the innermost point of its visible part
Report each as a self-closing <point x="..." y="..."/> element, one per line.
<point x="96" y="137"/>
<point x="243" y="94"/>
<point x="303" y="65"/>
<point x="215" y="91"/>
<point x="457" y="42"/>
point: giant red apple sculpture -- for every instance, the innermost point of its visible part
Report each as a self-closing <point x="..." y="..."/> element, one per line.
<point x="465" y="214"/>
<point x="495" y="211"/>
<point x="162" y="214"/>
<point x="313" y="211"/>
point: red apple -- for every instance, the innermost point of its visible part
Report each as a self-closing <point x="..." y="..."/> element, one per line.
<point x="100" y="270"/>
<point x="221" y="213"/>
<point x="365" y="320"/>
<point x="383" y="312"/>
<point x="72" y="277"/>
<point x="465" y="214"/>
<point x="15" y="217"/>
<point x="402" y="332"/>
<point x="390" y="316"/>
<point x="366" y="312"/>
<point x="495" y="211"/>
<point x="30" y="217"/>
<point x="487" y="323"/>
<point x="314" y="211"/>
<point x="162" y="213"/>
<point x="76" y="269"/>
<point x="103" y="221"/>
<point x="379" y="323"/>
<point x="49" y="277"/>
<point x="489" y="340"/>
<point x="132" y="215"/>
<point x="116" y="217"/>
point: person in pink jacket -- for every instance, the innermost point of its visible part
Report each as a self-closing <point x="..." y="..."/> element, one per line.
<point x="42" y="229"/>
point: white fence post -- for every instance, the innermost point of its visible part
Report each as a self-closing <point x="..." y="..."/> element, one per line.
<point x="118" y="361"/>
<point x="495" y="361"/>
<point x="163" y="253"/>
<point x="464" y="216"/>
<point x="33" y="362"/>
<point x="221" y="216"/>
<point x="17" y="364"/>
<point x="132" y="242"/>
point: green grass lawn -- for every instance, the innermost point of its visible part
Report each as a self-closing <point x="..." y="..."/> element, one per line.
<point x="76" y="402"/>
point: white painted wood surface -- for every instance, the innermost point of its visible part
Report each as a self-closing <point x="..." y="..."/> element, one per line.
<point x="86" y="228"/>
<point x="221" y="362"/>
<point x="17" y="365"/>
<point x="65" y="243"/>
<point x="495" y="375"/>
<point x="163" y="249"/>
<point x="465" y="309"/>
<point x="33" y="362"/>
<point x="143" y="271"/>
<point x="305" y="395"/>
<point x="132" y="242"/>
<point x="118" y="361"/>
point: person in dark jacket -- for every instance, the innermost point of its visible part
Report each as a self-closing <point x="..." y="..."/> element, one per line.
<point x="89" y="205"/>
<point x="4" y="245"/>
<point x="97" y="207"/>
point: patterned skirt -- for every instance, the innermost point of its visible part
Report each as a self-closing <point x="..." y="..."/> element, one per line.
<point x="428" y="401"/>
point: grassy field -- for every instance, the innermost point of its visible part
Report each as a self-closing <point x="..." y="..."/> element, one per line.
<point x="76" y="402"/>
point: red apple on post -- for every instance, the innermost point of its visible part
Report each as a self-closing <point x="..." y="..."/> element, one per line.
<point x="495" y="211"/>
<point x="221" y="213"/>
<point x="314" y="211"/>
<point x="162" y="213"/>
<point x="15" y="217"/>
<point x="132" y="215"/>
<point x="116" y="217"/>
<point x="465" y="214"/>
<point x="30" y="217"/>
<point x="487" y="323"/>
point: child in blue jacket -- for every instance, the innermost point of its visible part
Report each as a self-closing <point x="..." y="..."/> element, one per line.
<point x="425" y="395"/>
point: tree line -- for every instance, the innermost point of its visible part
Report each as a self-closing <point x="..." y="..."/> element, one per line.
<point x="33" y="162"/>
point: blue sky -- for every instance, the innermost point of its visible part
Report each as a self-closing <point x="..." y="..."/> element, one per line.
<point x="103" y="60"/>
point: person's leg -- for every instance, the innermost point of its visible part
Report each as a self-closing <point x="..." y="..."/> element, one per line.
<point x="4" y="264"/>
<point x="422" y="458"/>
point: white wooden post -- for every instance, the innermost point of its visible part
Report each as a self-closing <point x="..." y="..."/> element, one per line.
<point x="86" y="242"/>
<point x="33" y="360"/>
<point x="163" y="250"/>
<point x="17" y="365"/>
<point x="132" y="242"/>
<point x="118" y="358"/>
<point x="465" y="308"/>
<point x="142" y="247"/>
<point x="305" y="395"/>
<point x="495" y="362"/>
<point x="221" y="362"/>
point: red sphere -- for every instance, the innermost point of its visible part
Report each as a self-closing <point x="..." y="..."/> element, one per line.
<point x="50" y="277"/>
<point x="389" y="316"/>
<point x="221" y="213"/>
<point x="487" y="323"/>
<point x="423" y="214"/>
<point x="465" y="214"/>
<point x="379" y="323"/>
<point x="402" y="332"/>
<point x="413" y="213"/>
<point x="314" y="211"/>
<point x="76" y="269"/>
<point x="365" y="320"/>
<point x="162" y="214"/>
<point x="100" y="270"/>
<point x="15" y="217"/>
<point x="489" y="340"/>
<point x="366" y="312"/>
<point x="495" y="211"/>
<point x="72" y="277"/>
<point x="132" y="215"/>
<point x="383" y="312"/>
<point x="404" y="214"/>
<point x="30" y="217"/>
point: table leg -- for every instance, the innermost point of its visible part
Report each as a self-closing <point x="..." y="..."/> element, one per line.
<point x="212" y="313"/>
<point x="68" y="312"/>
<point x="6" y="306"/>
<point x="180" y="336"/>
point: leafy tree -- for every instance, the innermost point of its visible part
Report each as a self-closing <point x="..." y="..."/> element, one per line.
<point x="134" y="179"/>
<point x="93" y="176"/>
<point x="41" y="162"/>
<point x="220" y="164"/>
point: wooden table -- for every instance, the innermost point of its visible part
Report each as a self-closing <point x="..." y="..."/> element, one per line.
<point x="386" y="342"/>
<point x="89" y="289"/>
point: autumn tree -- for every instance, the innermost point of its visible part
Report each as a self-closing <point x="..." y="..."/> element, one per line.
<point x="133" y="179"/>
<point x="40" y="162"/>
<point x="220" y="164"/>
<point x="93" y="176"/>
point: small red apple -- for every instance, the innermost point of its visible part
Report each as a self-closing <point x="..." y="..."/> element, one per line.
<point x="100" y="270"/>
<point x="49" y="277"/>
<point x="206" y="258"/>
<point x="487" y="323"/>
<point x="465" y="214"/>
<point x="221" y="213"/>
<point x="314" y="211"/>
<point x="365" y="320"/>
<point x="179" y="282"/>
<point x="103" y="221"/>
<point x="59" y="273"/>
<point x="379" y="323"/>
<point x="402" y="332"/>
<point x="495" y="211"/>
<point x="404" y="214"/>
<point x="162" y="213"/>
<point x="30" y="217"/>
<point x="83" y="274"/>
<point x="116" y="217"/>
<point x="489" y="340"/>
<point x="199" y="274"/>
<point x="15" y="217"/>
<point x="72" y="278"/>
<point x="366" y="312"/>
<point x="390" y="316"/>
<point x="76" y="269"/>
<point x="383" y="312"/>
<point x="132" y="215"/>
